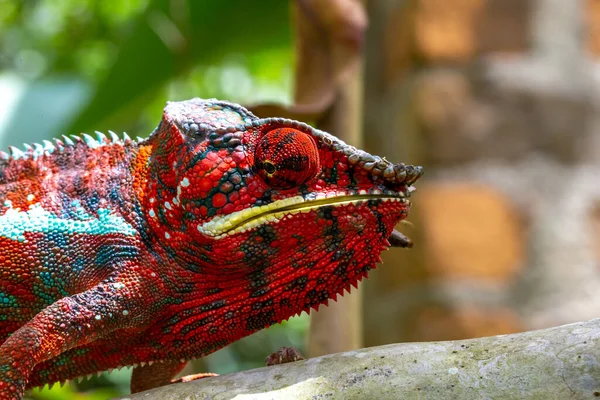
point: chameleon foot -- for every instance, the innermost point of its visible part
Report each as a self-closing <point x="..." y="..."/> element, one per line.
<point x="284" y="355"/>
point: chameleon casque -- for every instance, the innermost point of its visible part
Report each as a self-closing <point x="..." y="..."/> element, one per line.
<point x="118" y="252"/>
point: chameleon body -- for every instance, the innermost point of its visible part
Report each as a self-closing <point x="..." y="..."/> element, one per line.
<point x="115" y="252"/>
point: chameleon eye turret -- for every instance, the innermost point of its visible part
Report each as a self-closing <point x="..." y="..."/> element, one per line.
<point x="286" y="158"/>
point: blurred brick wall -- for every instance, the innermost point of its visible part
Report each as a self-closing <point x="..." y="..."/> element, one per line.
<point x="498" y="100"/>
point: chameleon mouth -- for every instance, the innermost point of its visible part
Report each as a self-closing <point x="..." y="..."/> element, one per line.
<point x="242" y="221"/>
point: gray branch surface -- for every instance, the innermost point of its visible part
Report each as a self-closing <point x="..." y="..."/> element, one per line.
<point x="554" y="363"/>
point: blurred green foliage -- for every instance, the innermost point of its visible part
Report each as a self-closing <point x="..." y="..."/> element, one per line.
<point x="82" y="65"/>
<point x="122" y="59"/>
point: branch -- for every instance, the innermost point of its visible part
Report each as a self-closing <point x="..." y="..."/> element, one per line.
<point x="554" y="363"/>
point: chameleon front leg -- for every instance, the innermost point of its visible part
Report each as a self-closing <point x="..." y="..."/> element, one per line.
<point x="155" y="375"/>
<point x="160" y="374"/>
<point x="69" y="322"/>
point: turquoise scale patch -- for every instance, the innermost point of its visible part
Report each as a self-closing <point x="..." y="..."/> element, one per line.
<point x="7" y="300"/>
<point x="14" y="223"/>
<point x="46" y="278"/>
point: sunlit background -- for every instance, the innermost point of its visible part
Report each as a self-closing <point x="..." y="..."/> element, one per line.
<point x="498" y="99"/>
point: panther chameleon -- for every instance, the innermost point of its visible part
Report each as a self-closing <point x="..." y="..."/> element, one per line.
<point x="119" y="252"/>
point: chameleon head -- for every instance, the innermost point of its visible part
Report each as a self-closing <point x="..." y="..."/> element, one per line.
<point x="271" y="199"/>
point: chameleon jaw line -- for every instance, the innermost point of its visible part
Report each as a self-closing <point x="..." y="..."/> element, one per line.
<point x="242" y="221"/>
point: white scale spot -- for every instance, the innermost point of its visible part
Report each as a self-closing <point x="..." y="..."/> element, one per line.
<point x="152" y="200"/>
<point x="152" y="213"/>
<point x="168" y="205"/>
<point x="185" y="182"/>
<point x="30" y="197"/>
<point x="167" y="235"/>
<point x="125" y="312"/>
<point x="98" y="317"/>
<point x="153" y="274"/>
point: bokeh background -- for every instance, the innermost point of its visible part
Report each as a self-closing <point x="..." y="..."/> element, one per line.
<point x="498" y="99"/>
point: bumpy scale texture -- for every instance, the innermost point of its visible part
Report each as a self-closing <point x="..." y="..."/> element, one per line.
<point x="152" y="252"/>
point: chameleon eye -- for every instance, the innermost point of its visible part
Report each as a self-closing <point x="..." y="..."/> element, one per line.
<point x="269" y="167"/>
<point x="286" y="158"/>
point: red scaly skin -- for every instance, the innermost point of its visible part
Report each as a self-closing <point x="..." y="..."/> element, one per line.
<point x="115" y="252"/>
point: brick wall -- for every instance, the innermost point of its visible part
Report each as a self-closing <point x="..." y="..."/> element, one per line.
<point x="498" y="99"/>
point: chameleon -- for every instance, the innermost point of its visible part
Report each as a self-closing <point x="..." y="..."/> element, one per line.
<point x="151" y="252"/>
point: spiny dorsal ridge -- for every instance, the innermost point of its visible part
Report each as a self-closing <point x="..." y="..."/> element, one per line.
<point x="48" y="147"/>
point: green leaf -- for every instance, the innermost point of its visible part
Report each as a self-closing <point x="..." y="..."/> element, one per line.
<point x="169" y="39"/>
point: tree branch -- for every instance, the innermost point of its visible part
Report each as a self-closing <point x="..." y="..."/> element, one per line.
<point x="554" y="363"/>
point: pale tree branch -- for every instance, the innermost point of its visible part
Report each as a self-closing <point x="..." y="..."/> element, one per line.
<point x="554" y="363"/>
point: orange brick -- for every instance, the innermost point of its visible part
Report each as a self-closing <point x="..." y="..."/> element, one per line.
<point x="436" y="322"/>
<point x="446" y="30"/>
<point x="592" y="15"/>
<point x="470" y="231"/>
